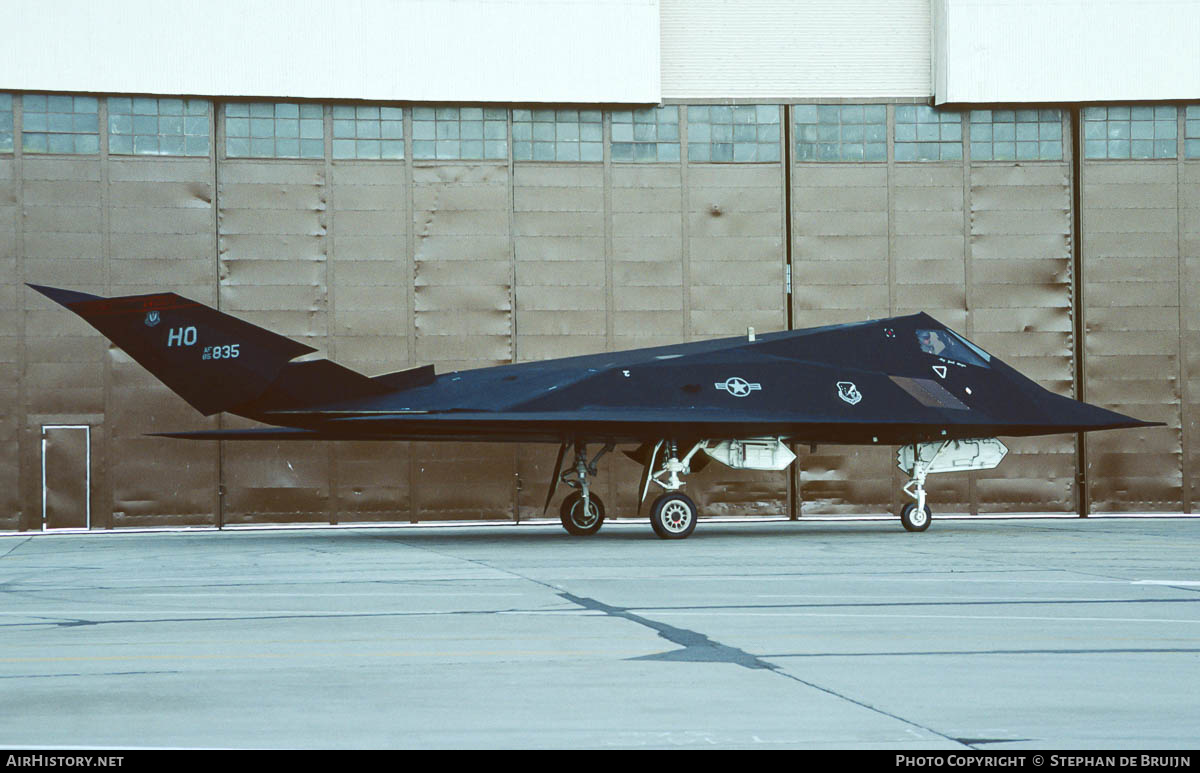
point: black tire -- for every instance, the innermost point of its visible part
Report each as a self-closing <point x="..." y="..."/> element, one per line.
<point x="912" y="519"/>
<point x="673" y="516"/>
<point x="572" y="514"/>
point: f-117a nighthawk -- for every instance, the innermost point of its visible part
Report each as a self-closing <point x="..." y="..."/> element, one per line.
<point x="906" y="381"/>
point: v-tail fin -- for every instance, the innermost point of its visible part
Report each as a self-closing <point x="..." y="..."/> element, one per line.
<point x="214" y="361"/>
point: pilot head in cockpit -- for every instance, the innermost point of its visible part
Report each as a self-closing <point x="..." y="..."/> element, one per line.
<point x="931" y="342"/>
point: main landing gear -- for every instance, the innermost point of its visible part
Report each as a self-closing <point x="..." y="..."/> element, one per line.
<point x="673" y="514"/>
<point x="582" y="512"/>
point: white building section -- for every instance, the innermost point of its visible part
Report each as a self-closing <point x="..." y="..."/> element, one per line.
<point x="1030" y="51"/>
<point x="796" y="49"/>
<point x="547" y="51"/>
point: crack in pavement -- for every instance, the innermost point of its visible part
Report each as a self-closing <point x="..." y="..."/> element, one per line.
<point x="695" y="646"/>
<point x="698" y="648"/>
<point x="14" y="547"/>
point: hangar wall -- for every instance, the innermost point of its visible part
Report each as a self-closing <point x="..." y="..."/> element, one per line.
<point x="669" y="234"/>
<point x="997" y="51"/>
<point x="774" y="49"/>
<point x="419" y="50"/>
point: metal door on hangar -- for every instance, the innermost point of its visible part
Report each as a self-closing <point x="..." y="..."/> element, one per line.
<point x="66" y="476"/>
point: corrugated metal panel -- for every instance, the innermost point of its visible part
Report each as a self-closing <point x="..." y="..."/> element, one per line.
<point x="372" y="482"/>
<point x="929" y="266"/>
<point x="462" y="266"/>
<point x="462" y="312"/>
<point x="370" y="287"/>
<point x="160" y="231"/>
<point x="1021" y="312"/>
<point x="1038" y="51"/>
<point x="1130" y="210"/>
<point x="561" y="295"/>
<point x="62" y="230"/>
<point x="62" y="222"/>
<point x="841" y="273"/>
<point x="736" y="280"/>
<point x="795" y="49"/>
<point x="646" y="265"/>
<point x="647" y="256"/>
<point x="11" y="349"/>
<point x="558" y="237"/>
<point x="411" y="50"/>
<point x="272" y="223"/>
<point x="735" y="249"/>
<point x="1189" y="301"/>
<point x="370" y="271"/>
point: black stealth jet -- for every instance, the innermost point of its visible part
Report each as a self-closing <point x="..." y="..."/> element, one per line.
<point x="908" y="381"/>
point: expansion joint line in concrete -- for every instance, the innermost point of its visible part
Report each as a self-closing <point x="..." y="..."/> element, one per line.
<point x="695" y="646"/>
<point x="698" y="648"/>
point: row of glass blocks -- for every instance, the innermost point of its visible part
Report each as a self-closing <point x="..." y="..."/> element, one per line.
<point x="716" y="133"/>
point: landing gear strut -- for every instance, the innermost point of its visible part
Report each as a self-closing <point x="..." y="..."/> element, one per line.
<point x="916" y="516"/>
<point x="581" y="517"/>
<point x="922" y="459"/>
<point x="673" y="515"/>
<point x="582" y="512"/>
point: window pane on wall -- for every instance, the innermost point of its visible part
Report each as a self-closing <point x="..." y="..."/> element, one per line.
<point x="1130" y="132"/>
<point x="6" y="123"/>
<point x="1191" y="132"/>
<point x="274" y="130"/>
<point x="841" y="132"/>
<point x="60" y="124"/>
<point x="925" y="134"/>
<point x="158" y="127"/>
<point x="1016" y="135"/>
<point x="451" y="133"/>
<point x="558" y="135"/>
<point x="733" y="133"/>
<point x="368" y="131"/>
<point x="647" y="135"/>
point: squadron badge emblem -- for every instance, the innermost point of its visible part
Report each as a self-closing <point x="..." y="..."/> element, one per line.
<point x="848" y="392"/>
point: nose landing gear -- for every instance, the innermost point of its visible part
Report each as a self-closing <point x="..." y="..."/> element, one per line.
<point x="922" y="459"/>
